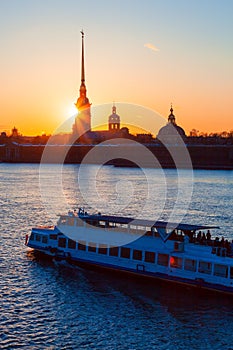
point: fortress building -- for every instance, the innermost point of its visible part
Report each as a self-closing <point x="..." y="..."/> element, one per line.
<point x="205" y="152"/>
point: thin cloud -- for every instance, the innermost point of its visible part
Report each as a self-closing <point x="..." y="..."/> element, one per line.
<point x="151" y="47"/>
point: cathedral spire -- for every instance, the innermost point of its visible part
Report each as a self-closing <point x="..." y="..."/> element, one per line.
<point x="171" y="117"/>
<point x="83" y="119"/>
<point x="82" y="101"/>
<point x="171" y="109"/>
<point x="113" y="108"/>
<point x="82" y="67"/>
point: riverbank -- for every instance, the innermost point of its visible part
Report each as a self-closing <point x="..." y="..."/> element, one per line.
<point x="218" y="157"/>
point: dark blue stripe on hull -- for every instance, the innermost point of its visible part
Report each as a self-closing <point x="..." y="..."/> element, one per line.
<point x="201" y="284"/>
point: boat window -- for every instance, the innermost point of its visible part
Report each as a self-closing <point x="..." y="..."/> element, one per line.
<point x="149" y="233"/>
<point x="79" y="222"/>
<point x="137" y="254"/>
<point x="38" y="238"/>
<point x="231" y="272"/>
<point x="92" y="247"/>
<point x="190" y="264"/>
<point x="102" y="223"/>
<point x="204" y="267"/>
<point x="81" y="245"/>
<point x="220" y="270"/>
<point x="123" y="225"/>
<point x="163" y="259"/>
<point x="125" y="252"/>
<point x="71" y="221"/>
<point x="62" y="221"/>
<point x="62" y="242"/>
<point x="113" y="251"/>
<point x="44" y="239"/>
<point x="32" y="237"/>
<point x="178" y="246"/>
<point x="176" y="262"/>
<point x="92" y="222"/>
<point x="71" y="244"/>
<point x="53" y="236"/>
<point x="103" y="249"/>
<point x="150" y="257"/>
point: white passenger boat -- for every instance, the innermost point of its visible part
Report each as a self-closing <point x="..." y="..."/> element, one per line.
<point x="180" y="253"/>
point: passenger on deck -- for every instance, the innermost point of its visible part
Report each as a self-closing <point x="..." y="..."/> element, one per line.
<point x="227" y="245"/>
<point x="208" y="235"/>
<point x="199" y="236"/>
<point x="222" y="242"/>
<point x="232" y="247"/>
<point x="190" y="235"/>
<point x="173" y="235"/>
<point x="81" y="211"/>
<point x="203" y="238"/>
<point x="216" y="242"/>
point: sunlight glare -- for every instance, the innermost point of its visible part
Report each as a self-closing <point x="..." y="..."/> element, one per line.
<point x="71" y="110"/>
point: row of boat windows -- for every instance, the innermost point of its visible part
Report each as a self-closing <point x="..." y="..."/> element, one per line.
<point x="139" y="255"/>
<point x="74" y="221"/>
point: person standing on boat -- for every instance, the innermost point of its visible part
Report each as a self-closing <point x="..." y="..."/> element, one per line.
<point x="203" y="238"/>
<point x="199" y="236"/>
<point x="208" y="236"/>
<point x="216" y="242"/>
<point x="232" y="247"/>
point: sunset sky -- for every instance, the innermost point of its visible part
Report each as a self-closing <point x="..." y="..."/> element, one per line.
<point x="150" y="53"/>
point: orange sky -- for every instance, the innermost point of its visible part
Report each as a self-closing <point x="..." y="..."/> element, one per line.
<point x="179" y="52"/>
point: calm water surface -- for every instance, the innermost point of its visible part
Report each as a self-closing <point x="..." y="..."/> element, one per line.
<point x="45" y="306"/>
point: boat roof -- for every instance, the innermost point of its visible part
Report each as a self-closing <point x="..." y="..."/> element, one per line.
<point x="149" y="223"/>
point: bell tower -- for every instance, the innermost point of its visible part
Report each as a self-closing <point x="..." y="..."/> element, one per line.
<point x="114" y="120"/>
<point x="83" y="118"/>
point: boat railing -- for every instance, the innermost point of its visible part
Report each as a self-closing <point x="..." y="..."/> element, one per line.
<point x="115" y="229"/>
<point x="220" y="248"/>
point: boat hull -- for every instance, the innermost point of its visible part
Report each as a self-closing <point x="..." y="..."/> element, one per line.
<point x="140" y="273"/>
<point x="158" y="250"/>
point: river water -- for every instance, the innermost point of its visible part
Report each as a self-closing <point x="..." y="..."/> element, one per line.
<point x="46" y="306"/>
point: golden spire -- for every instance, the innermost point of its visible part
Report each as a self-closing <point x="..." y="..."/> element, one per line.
<point x="82" y="65"/>
<point x="82" y="101"/>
